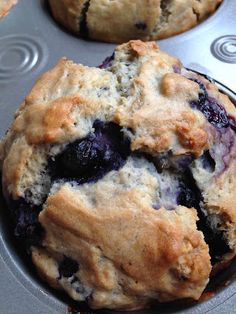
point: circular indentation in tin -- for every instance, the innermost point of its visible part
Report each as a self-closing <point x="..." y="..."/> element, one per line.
<point x="224" y="48"/>
<point x="20" y="55"/>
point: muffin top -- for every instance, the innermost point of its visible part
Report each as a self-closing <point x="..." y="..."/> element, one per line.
<point x="120" y="179"/>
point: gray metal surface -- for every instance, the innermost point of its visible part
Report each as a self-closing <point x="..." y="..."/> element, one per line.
<point x="30" y="43"/>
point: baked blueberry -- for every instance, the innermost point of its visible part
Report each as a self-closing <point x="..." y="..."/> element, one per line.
<point x="232" y="123"/>
<point x="107" y="62"/>
<point x="214" y="236"/>
<point x="212" y="110"/>
<point x="141" y="26"/>
<point x="27" y="227"/>
<point x="92" y="157"/>
<point x="178" y="163"/>
<point x="207" y="161"/>
<point x="215" y="113"/>
<point x="84" y="32"/>
<point x="68" y="267"/>
<point x="190" y="196"/>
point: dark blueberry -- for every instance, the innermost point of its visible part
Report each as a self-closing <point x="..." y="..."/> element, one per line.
<point x="68" y="267"/>
<point x="107" y="62"/>
<point x="187" y="197"/>
<point x="141" y="26"/>
<point x="80" y="289"/>
<point x="215" y="113"/>
<point x="90" y="158"/>
<point x="182" y="162"/>
<point x="176" y="68"/>
<point x="169" y="161"/>
<point x="207" y="161"/>
<point x="74" y="279"/>
<point x="161" y="161"/>
<point x="212" y="110"/>
<point x="83" y="20"/>
<point x="214" y="237"/>
<point x="27" y="228"/>
<point x="189" y="193"/>
<point x="190" y="196"/>
<point x="232" y="123"/>
<point x="202" y="96"/>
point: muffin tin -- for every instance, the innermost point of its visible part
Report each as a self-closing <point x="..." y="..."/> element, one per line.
<point x="31" y="43"/>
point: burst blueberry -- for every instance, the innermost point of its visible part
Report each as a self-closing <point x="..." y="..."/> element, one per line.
<point x="141" y="26"/>
<point x="214" y="237"/>
<point x="212" y="110"/>
<point x="167" y="160"/>
<point x="27" y="228"/>
<point x="90" y="158"/>
<point x="190" y="196"/>
<point x="68" y="267"/>
<point x="107" y="62"/>
<point x="232" y="123"/>
<point x="208" y="162"/>
<point x="215" y="113"/>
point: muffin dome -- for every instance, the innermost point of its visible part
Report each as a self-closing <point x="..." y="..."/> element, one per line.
<point x="120" y="180"/>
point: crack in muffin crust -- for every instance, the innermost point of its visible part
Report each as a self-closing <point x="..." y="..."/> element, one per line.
<point x="120" y="179"/>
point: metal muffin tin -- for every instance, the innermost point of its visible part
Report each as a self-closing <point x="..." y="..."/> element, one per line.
<point x="31" y="43"/>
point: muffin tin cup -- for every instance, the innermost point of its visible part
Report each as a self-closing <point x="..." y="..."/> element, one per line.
<point x="30" y="44"/>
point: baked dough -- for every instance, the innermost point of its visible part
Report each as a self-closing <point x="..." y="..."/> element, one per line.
<point x="122" y="20"/>
<point x="121" y="179"/>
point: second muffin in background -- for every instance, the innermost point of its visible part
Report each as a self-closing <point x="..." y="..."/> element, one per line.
<point x="121" y="20"/>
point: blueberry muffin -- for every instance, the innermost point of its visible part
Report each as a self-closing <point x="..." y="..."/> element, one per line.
<point x="120" y="179"/>
<point x="122" y="20"/>
<point x="5" y="6"/>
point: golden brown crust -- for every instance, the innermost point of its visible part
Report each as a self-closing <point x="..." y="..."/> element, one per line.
<point x="179" y="16"/>
<point x="119" y="21"/>
<point x="157" y="128"/>
<point x="68" y="12"/>
<point x="128" y="251"/>
<point x="105" y="17"/>
<point x="152" y="249"/>
<point x="46" y="266"/>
